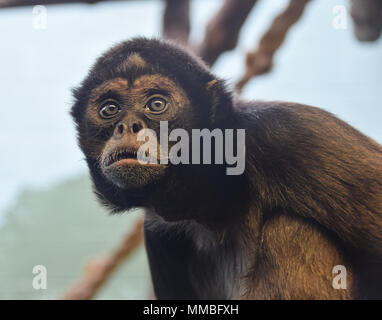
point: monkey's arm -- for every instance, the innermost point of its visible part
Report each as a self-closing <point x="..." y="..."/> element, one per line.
<point x="169" y="261"/>
<point x="296" y="260"/>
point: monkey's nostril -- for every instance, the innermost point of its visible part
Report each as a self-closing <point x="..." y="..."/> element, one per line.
<point x="136" y="127"/>
<point x="119" y="130"/>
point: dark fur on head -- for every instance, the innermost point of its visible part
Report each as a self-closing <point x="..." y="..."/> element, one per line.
<point x="213" y="107"/>
<point x="164" y="58"/>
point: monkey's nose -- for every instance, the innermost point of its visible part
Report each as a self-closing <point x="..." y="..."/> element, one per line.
<point x="133" y="126"/>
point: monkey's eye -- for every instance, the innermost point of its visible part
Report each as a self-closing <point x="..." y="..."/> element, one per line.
<point x="109" y="110"/>
<point x="157" y="105"/>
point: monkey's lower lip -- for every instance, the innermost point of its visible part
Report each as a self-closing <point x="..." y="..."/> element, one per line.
<point x="131" y="161"/>
<point x="125" y="161"/>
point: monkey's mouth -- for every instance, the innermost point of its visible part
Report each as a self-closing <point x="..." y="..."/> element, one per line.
<point x="126" y="155"/>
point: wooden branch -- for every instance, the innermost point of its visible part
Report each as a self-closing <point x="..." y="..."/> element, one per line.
<point x="176" y="21"/>
<point x="22" y="3"/>
<point x="367" y="18"/>
<point x="260" y="61"/>
<point x="97" y="272"/>
<point x="223" y="30"/>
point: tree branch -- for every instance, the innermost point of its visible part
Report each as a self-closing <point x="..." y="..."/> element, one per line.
<point x="22" y="3"/>
<point x="367" y="18"/>
<point x="97" y="272"/>
<point x="176" y="21"/>
<point x="223" y="30"/>
<point x="260" y="61"/>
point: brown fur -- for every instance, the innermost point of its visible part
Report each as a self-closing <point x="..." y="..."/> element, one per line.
<point x="310" y="197"/>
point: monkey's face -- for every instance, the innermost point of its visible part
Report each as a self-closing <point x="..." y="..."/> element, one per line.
<point x="116" y="113"/>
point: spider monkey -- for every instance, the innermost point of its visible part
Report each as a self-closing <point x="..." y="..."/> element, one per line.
<point x="309" y="199"/>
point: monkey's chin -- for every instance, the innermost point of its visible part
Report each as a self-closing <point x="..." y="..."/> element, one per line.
<point x="133" y="175"/>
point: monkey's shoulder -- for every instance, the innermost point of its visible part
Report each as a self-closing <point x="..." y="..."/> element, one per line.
<point x="300" y="122"/>
<point x="278" y="110"/>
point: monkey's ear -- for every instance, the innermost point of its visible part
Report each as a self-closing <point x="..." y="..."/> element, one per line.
<point x="221" y="101"/>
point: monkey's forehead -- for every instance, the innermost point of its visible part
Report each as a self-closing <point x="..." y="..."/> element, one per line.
<point x="141" y="83"/>
<point x="124" y="71"/>
<point x="155" y="56"/>
<point x="156" y="52"/>
<point x="131" y="59"/>
<point x="132" y="62"/>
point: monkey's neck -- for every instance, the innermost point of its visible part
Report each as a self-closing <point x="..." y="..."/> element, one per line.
<point x="203" y="193"/>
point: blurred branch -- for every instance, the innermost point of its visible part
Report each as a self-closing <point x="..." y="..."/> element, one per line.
<point x="21" y="3"/>
<point x="223" y="30"/>
<point x="367" y="17"/>
<point x="97" y="272"/>
<point x="260" y="61"/>
<point x="176" y="20"/>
